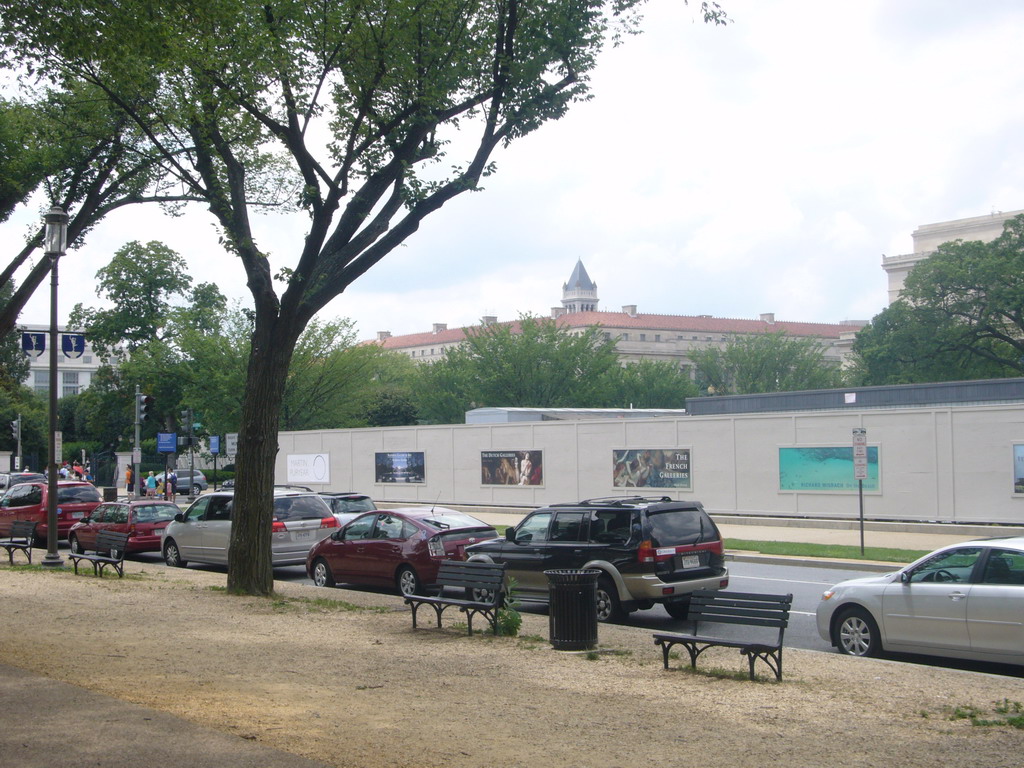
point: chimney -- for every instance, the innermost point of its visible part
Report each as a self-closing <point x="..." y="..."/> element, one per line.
<point x="629" y="309"/>
<point x="488" y="319"/>
<point x="768" y="317"/>
<point x="438" y="327"/>
<point x="382" y="335"/>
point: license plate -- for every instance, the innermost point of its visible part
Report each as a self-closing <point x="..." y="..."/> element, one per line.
<point x="77" y="515"/>
<point x="303" y="535"/>
<point x="690" y="561"/>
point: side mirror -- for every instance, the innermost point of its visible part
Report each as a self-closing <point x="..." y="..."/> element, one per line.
<point x="180" y="517"/>
<point x="510" y="534"/>
<point x="905" y="577"/>
<point x="86" y="519"/>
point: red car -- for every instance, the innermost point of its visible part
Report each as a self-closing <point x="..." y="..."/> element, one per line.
<point x="28" y="501"/>
<point x="402" y="548"/>
<point x="142" y="519"/>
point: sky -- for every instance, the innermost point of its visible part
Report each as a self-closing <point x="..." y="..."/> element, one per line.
<point x="765" y="166"/>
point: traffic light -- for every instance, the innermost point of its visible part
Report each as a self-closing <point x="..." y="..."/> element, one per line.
<point x="145" y="406"/>
<point x="16" y="428"/>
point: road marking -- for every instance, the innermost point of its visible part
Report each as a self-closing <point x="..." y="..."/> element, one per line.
<point x="786" y="581"/>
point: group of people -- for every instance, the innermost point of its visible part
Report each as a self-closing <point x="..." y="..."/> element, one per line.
<point x="151" y="485"/>
<point x="74" y="471"/>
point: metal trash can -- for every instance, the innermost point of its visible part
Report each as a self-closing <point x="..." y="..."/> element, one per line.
<point x="572" y="613"/>
<point x="109" y="494"/>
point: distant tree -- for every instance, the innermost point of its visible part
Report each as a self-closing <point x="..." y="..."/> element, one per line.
<point x="391" y="409"/>
<point x="769" y="362"/>
<point x="533" y="363"/>
<point x="648" y="384"/>
<point x="960" y="316"/>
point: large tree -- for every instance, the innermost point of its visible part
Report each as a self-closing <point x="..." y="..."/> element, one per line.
<point x="960" y="315"/>
<point x="239" y="95"/>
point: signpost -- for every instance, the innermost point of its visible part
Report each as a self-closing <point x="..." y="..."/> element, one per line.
<point x="860" y="472"/>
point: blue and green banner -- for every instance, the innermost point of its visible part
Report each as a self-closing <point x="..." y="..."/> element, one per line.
<point x="828" y="469"/>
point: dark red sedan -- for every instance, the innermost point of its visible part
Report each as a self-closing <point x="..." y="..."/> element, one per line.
<point x="402" y="548"/>
<point x="142" y="519"/>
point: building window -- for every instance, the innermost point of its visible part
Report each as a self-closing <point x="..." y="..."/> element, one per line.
<point x="624" y="337"/>
<point x="41" y="383"/>
<point x="70" y="383"/>
<point x="657" y="337"/>
<point x="643" y="337"/>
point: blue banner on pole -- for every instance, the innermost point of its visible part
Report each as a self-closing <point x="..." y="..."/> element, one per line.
<point x="33" y="343"/>
<point x="73" y="345"/>
<point x="166" y="442"/>
<point x="214" y="443"/>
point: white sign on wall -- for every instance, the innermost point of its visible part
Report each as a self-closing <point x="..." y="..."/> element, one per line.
<point x="305" y="468"/>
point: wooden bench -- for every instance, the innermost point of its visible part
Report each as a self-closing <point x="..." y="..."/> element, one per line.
<point x="23" y="533"/>
<point x="108" y="550"/>
<point x="746" y="608"/>
<point x="485" y="578"/>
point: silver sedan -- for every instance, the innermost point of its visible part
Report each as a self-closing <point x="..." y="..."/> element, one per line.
<point x="964" y="601"/>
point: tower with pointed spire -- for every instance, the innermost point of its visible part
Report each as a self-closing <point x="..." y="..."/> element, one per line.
<point x="580" y="293"/>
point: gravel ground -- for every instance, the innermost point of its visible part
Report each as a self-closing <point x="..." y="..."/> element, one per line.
<point x="357" y="686"/>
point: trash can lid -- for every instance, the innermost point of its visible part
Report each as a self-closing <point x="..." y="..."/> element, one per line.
<point x="572" y="575"/>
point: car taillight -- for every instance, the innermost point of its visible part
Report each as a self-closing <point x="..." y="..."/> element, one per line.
<point x="648" y="553"/>
<point x="435" y="547"/>
<point x="278" y="527"/>
<point x="329" y="522"/>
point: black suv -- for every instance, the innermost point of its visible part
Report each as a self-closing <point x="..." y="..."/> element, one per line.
<point x="649" y="550"/>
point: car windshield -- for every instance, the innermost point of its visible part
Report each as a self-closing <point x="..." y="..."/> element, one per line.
<point x="300" y="508"/>
<point x="674" y="527"/>
<point x="453" y="520"/>
<point x="77" y="494"/>
<point x="350" y="504"/>
<point x="155" y="513"/>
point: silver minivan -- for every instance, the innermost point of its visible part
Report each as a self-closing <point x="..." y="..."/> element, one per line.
<point x="202" y="533"/>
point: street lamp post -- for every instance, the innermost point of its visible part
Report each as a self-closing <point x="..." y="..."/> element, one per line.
<point x="55" y="242"/>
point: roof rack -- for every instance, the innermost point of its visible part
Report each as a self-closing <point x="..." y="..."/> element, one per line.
<point x="620" y="501"/>
<point x="293" y="487"/>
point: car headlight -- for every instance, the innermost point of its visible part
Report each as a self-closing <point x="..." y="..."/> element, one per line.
<point x="828" y="594"/>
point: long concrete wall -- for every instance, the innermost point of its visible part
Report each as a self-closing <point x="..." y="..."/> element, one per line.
<point x="949" y="464"/>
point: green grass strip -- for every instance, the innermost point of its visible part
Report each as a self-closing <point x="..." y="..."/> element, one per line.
<point x="838" y="551"/>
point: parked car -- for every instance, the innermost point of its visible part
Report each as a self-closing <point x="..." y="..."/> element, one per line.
<point x="402" y="548"/>
<point x="649" y="550"/>
<point x="964" y="601"/>
<point x="29" y="501"/>
<point x="142" y="519"/>
<point x="202" y="532"/>
<point x="188" y="480"/>
<point x="7" y="479"/>
<point x="346" y="505"/>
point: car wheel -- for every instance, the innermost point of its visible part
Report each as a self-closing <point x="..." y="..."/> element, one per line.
<point x="76" y="548"/>
<point x="408" y="582"/>
<point x="172" y="556"/>
<point x="322" y="575"/>
<point x="857" y="633"/>
<point x="678" y="610"/>
<point x="196" y="490"/>
<point x="609" y="607"/>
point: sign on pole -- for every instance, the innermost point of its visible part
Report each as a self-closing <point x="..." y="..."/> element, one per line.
<point x="231" y="443"/>
<point x="214" y="444"/>
<point x="167" y="442"/>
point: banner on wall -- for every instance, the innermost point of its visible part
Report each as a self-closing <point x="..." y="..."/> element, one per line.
<point x="651" y="468"/>
<point x="306" y="468"/>
<point x="512" y="467"/>
<point x="828" y="468"/>
<point x="1018" y="469"/>
<point x="399" y="467"/>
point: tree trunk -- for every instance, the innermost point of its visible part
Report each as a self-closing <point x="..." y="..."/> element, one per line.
<point x="249" y="565"/>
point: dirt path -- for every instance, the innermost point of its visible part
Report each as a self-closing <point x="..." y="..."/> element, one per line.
<point x="360" y="688"/>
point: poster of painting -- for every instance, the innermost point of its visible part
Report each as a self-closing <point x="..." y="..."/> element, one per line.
<point x="1018" y="469"/>
<point x="399" y="467"/>
<point x="512" y="467"/>
<point x="651" y="468"/>
<point x="828" y="468"/>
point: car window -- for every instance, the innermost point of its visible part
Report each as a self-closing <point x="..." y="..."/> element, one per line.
<point x="569" y="526"/>
<point x="610" y="526"/>
<point x="77" y="494"/>
<point x="952" y="565"/>
<point x="99" y="513"/>
<point x="675" y="527"/>
<point x="154" y="513"/>
<point x="33" y="495"/>
<point x="534" y="528"/>
<point x="118" y="513"/>
<point x="1004" y="566"/>
<point x="198" y="510"/>
<point x="388" y="527"/>
<point x="451" y="519"/>
<point x="219" y="508"/>
<point x="360" y="528"/>
<point x="352" y="505"/>
<point x="300" y="508"/>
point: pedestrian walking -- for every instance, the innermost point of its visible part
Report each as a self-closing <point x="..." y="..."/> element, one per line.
<point x="150" y="484"/>
<point x="129" y="480"/>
